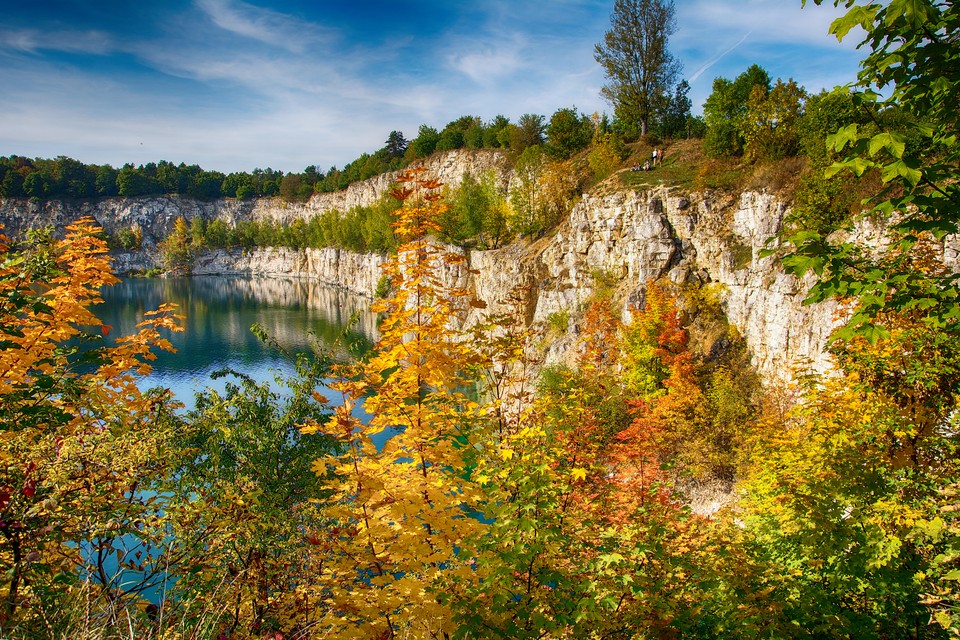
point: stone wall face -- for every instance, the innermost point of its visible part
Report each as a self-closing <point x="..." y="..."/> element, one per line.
<point x="633" y="237"/>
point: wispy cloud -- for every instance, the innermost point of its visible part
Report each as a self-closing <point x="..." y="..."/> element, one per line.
<point x="485" y="62"/>
<point x="264" y="25"/>
<point x="787" y="40"/>
<point x="234" y="84"/>
<point x="35" y="40"/>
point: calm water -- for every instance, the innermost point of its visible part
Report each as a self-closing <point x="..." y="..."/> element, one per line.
<point x="219" y="313"/>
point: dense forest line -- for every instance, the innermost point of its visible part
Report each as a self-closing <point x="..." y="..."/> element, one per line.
<point x="566" y="132"/>
<point x="551" y="173"/>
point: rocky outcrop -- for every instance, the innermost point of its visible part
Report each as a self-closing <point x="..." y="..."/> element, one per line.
<point x="356" y="272"/>
<point x="629" y="237"/>
<point x="636" y="237"/>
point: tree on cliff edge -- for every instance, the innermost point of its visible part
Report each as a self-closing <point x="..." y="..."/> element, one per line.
<point x="640" y="70"/>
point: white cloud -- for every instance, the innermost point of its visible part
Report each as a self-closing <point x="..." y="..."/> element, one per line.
<point x="264" y="25"/>
<point x="776" y="22"/>
<point x="233" y="86"/>
<point x="484" y="62"/>
<point x="699" y="72"/>
<point x="33" y="40"/>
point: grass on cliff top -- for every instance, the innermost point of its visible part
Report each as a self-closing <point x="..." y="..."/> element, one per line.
<point x="686" y="166"/>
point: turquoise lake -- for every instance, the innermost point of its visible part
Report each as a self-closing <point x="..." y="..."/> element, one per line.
<point x="219" y="312"/>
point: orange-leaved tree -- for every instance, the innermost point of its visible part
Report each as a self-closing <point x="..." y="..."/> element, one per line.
<point x="693" y="414"/>
<point x="402" y="494"/>
<point x="575" y="547"/>
<point x="79" y="442"/>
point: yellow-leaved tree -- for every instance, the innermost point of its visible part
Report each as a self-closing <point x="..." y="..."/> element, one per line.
<point x="402" y="496"/>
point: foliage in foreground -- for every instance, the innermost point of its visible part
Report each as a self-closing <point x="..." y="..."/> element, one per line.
<point x="473" y="502"/>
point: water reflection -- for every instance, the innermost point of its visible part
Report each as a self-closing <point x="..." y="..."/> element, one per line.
<point x="219" y="313"/>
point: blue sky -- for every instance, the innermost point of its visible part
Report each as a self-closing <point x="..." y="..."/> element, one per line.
<point x="234" y="85"/>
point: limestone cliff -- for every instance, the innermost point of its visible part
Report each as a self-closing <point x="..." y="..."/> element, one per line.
<point x="701" y="238"/>
<point x="155" y="215"/>
<point x="631" y="236"/>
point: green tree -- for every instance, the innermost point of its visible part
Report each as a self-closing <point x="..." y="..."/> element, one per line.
<point x="106" y="181"/>
<point x="605" y="157"/>
<point x="450" y="139"/>
<point x="726" y="107"/>
<point x="528" y="132"/>
<point x="491" y="132"/>
<point x="639" y="67"/>
<point x="245" y="501"/>
<point x="823" y="204"/>
<point x="197" y="233"/>
<point x="911" y="56"/>
<point x="425" y="143"/>
<point x="219" y="234"/>
<point x="465" y="131"/>
<point x="675" y="119"/>
<point x="12" y="185"/>
<point x="132" y="182"/>
<point x="290" y="187"/>
<point x="35" y="185"/>
<point x="396" y="144"/>
<point x="568" y="132"/>
<point x="206" y="185"/>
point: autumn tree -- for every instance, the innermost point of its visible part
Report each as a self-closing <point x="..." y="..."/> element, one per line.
<point x="846" y="496"/>
<point x="529" y="131"/>
<point x="527" y="197"/>
<point x="573" y="539"/>
<point x="176" y="248"/>
<point x="399" y="519"/>
<point x="770" y="127"/>
<point x="640" y="69"/>
<point x="75" y="511"/>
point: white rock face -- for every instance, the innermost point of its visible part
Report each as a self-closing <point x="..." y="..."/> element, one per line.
<point x="631" y="237"/>
<point x="355" y="272"/>
<point x="643" y="236"/>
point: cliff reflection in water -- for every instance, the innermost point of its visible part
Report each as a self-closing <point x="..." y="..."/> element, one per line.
<point x="219" y="313"/>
